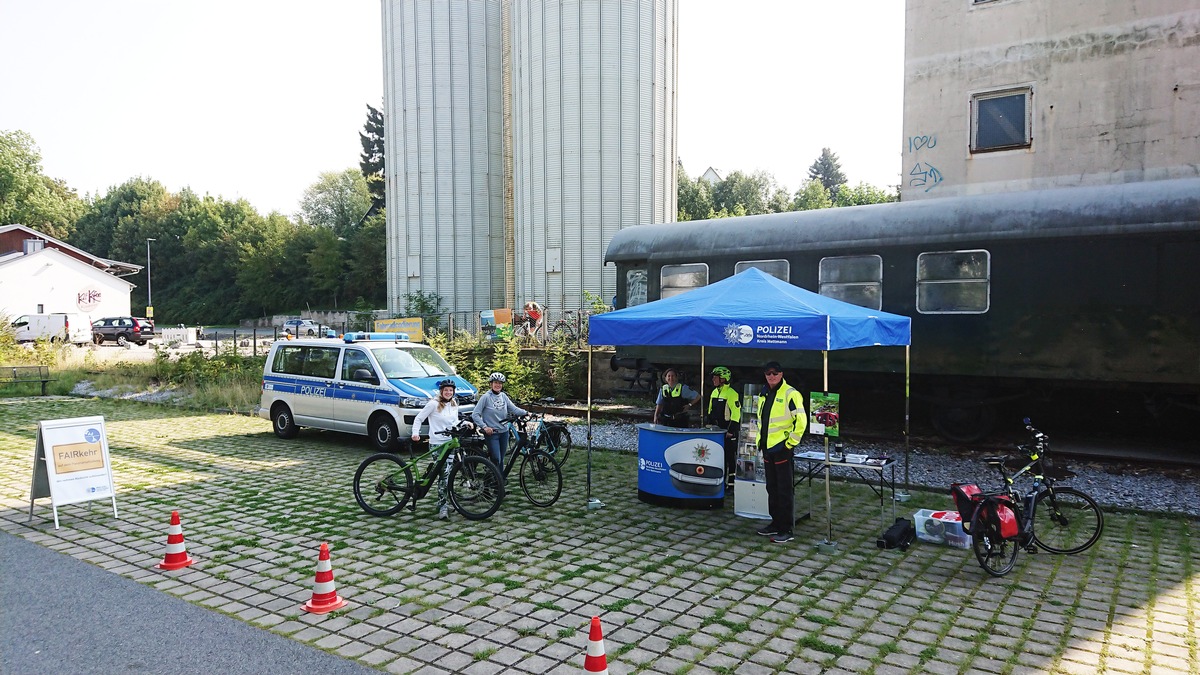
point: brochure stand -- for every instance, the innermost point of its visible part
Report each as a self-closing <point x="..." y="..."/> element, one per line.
<point x="750" y="480"/>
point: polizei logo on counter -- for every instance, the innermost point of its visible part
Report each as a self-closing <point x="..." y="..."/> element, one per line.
<point x="769" y="334"/>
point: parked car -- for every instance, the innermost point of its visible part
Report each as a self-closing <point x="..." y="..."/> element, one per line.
<point x="307" y="328"/>
<point x="56" y="327"/>
<point x="371" y="384"/>
<point x="123" y="330"/>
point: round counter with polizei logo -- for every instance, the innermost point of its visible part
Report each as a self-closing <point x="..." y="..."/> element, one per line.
<point x="681" y="467"/>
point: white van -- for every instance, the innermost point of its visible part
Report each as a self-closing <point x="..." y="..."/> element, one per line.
<point x="56" y="327"/>
<point x="371" y="384"/>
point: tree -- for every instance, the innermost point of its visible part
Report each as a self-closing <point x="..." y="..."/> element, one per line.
<point x="371" y="161"/>
<point x="337" y="201"/>
<point x="751" y="192"/>
<point x="812" y="195"/>
<point x="695" y="197"/>
<point x="864" y="193"/>
<point x="30" y="198"/>
<point x="828" y="170"/>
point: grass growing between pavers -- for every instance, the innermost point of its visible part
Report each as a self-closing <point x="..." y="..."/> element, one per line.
<point x="677" y="590"/>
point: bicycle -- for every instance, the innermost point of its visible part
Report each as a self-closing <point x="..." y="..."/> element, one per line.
<point x="551" y="437"/>
<point x="539" y="474"/>
<point x="1055" y="519"/>
<point x="383" y="484"/>
<point x="572" y="327"/>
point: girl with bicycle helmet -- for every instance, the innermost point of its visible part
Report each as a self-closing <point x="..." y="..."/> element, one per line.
<point x="489" y="414"/>
<point x="442" y="413"/>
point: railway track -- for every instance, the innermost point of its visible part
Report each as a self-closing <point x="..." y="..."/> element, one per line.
<point x="1129" y="453"/>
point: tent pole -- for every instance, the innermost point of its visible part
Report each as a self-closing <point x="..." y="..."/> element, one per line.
<point x="702" y="371"/>
<point x="829" y="543"/>
<point x="903" y="497"/>
<point x="592" y="502"/>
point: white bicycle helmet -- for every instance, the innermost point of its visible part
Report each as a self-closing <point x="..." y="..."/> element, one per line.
<point x="496" y="377"/>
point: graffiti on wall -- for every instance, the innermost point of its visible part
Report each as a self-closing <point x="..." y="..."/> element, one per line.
<point x="923" y="174"/>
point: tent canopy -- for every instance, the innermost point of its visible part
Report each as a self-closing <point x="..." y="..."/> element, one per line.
<point x="752" y="310"/>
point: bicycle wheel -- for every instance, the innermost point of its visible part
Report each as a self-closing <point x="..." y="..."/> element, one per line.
<point x="382" y="485"/>
<point x="541" y="479"/>
<point x="1066" y="520"/>
<point x="548" y="442"/>
<point x="476" y="487"/>
<point x="996" y="555"/>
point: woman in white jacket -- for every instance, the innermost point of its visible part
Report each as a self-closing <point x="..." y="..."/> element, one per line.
<point x="442" y="414"/>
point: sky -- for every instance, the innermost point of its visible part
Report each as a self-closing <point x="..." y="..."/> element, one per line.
<point x="255" y="99"/>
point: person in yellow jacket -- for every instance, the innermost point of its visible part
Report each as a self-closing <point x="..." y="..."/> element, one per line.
<point x="781" y="425"/>
<point x="725" y="411"/>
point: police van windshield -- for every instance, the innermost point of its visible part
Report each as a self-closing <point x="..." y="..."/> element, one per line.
<point x="409" y="361"/>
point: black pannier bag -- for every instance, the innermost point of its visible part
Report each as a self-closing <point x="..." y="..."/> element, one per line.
<point x="899" y="535"/>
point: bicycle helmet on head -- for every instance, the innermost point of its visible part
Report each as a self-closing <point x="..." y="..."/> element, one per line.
<point x="446" y="383"/>
<point x="496" y="377"/>
<point x="723" y="373"/>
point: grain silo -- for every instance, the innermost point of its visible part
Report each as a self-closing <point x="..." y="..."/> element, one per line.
<point x="444" y="151"/>
<point x="593" y="140"/>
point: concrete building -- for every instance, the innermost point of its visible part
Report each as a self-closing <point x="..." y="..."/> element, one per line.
<point x="42" y="275"/>
<point x="1003" y="95"/>
<point x="521" y="135"/>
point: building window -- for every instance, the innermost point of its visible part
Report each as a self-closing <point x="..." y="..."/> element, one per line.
<point x="776" y="268"/>
<point x="954" y="282"/>
<point x="856" y="279"/>
<point x="676" y="279"/>
<point x="635" y="288"/>
<point x="1001" y="120"/>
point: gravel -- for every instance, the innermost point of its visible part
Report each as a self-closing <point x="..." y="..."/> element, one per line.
<point x="1112" y="484"/>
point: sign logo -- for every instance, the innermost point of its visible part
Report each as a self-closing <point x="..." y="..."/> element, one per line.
<point x="738" y="334"/>
<point x="87" y="299"/>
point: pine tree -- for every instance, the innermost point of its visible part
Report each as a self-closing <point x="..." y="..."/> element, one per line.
<point x="828" y="170"/>
<point x="371" y="162"/>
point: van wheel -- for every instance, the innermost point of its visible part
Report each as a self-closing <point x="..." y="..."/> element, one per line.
<point x="384" y="433"/>
<point x="122" y="340"/>
<point x="281" y="420"/>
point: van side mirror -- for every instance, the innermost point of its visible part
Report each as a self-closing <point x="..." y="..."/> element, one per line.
<point x="364" y="375"/>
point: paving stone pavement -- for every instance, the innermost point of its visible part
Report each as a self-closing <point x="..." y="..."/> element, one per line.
<point x="678" y="591"/>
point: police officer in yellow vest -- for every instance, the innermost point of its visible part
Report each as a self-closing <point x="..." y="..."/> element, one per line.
<point x="674" y="400"/>
<point x="725" y="411"/>
<point x="781" y="424"/>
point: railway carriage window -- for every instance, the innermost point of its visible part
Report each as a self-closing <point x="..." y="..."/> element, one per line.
<point x="676" y="279"/>
<point x="776" y="268"/>
<point x="635" y="288"/>
<point x="856" y="279"/>
<point x="954" y="282"/>
<point x="1001" y="120"/>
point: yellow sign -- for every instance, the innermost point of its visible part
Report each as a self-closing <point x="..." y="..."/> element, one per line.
<point x="74" y="457"/>
<point x="149" y="312"/>
<point x="413" y="326"/>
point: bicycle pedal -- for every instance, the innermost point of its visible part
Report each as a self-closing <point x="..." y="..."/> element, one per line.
<point x="412" y="506"/>
<point x="1031" y="549"/>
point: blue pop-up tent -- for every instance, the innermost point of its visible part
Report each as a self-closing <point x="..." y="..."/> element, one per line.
<point x="752" y="310"/>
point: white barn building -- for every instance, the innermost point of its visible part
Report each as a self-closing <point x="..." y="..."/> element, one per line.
<point x="42" y="275"/>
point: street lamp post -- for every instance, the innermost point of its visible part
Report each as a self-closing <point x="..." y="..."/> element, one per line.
<point x="149" y="290"/>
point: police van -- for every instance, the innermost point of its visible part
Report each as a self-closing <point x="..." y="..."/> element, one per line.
<point x="371" y="384"/>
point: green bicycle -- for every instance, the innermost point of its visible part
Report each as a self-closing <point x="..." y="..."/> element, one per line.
<point x="384" y="484"/>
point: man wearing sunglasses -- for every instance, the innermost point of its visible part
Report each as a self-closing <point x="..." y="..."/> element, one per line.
<point x="781" y="424"/>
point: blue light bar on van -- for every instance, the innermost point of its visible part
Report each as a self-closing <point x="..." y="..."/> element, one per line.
<point x="377" y="337"/>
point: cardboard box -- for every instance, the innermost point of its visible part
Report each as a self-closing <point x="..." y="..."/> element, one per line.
<point x="941" y="527"/>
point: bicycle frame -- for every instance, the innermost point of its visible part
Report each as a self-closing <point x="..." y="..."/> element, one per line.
<point x="441" y="462"/>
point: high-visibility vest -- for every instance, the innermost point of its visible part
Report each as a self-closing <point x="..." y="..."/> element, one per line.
<point x="785" y="421"/>
<point x="725" y="397"/>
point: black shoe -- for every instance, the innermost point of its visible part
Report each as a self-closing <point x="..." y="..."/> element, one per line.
<point x="768" y="531"/>
<point x="782" y="537"/>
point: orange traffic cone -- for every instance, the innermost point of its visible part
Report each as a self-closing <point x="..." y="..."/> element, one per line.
<point x="324" y="598"/>
<point x="595" y="662"/>
<point x="177" y="556"/>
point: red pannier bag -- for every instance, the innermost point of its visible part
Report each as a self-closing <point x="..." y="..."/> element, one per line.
<point x="1008" y="518"/>
<point x="966" y="497"/>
